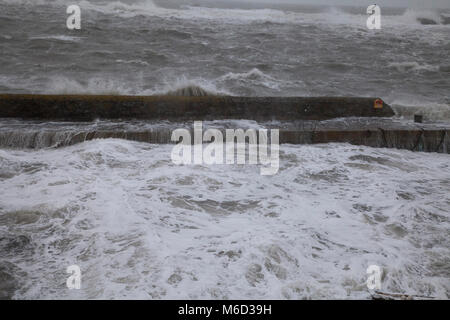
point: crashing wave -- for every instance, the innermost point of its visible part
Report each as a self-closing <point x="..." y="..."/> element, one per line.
<point x="327" y="15"/>
<point x="430" y="111"/>
<point x="190" y="91"/>
<point x="442" y="20"/>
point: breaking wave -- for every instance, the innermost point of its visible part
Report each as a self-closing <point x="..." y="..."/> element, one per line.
<point x="183" y="86"/>
<point x="178" y="87"/>
<point x="326" y="15"/>
<point x="430" y="111"/>
<point x="64" y="38"/>
<point x="424" y="17"/>
<point x="63" y="85"/>
<point x="254" y="76"/>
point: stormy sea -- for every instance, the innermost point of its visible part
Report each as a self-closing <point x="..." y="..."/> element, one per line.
<point x="141" y="227"/>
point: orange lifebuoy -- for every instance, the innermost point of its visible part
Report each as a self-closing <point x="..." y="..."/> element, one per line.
<point x="378" y="104"/>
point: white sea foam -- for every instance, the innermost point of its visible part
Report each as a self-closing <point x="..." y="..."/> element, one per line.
<point x="329" y="15"/>
<point x="58" y="37"/>
<point x="413" y="66"/>
<point x="429" y="110"/>
<point x="135" y="61"/>
<point x="116" y="86"/>
<point x="413" y="16"/>
<point x="141" y="227"/>
<point x="171" y="84"/>
<point x="96" y="85"/>
<point x="252" y="77"/>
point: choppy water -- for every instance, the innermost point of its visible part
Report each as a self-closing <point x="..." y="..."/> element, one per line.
<point x="141" y="227"/>
<point x="139" y="47"/>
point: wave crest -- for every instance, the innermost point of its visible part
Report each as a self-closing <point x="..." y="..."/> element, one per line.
<point x="190" y="91"/>
<point x="326" y="16"/>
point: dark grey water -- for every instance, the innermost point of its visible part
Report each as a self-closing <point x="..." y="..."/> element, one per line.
<point x="139" y="47"/>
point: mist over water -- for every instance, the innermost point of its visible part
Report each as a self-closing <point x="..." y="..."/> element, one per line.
<point x="141" y="227"/>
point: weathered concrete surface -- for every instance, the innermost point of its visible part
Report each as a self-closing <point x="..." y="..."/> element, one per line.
<point x="433" y="140"/>
<point x="89" y="107"/>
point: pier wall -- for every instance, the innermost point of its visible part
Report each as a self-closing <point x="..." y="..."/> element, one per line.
<point x="90" y="107"/>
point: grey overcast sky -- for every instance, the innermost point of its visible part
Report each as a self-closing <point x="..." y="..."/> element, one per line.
<point x="390" y="3"/>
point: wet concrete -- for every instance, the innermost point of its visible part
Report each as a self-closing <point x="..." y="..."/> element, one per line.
<point x="90" y="107"/>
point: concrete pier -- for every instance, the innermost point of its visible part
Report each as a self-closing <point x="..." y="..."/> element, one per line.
<point x="90" y="107"/>
<point x="32" y="121"/>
